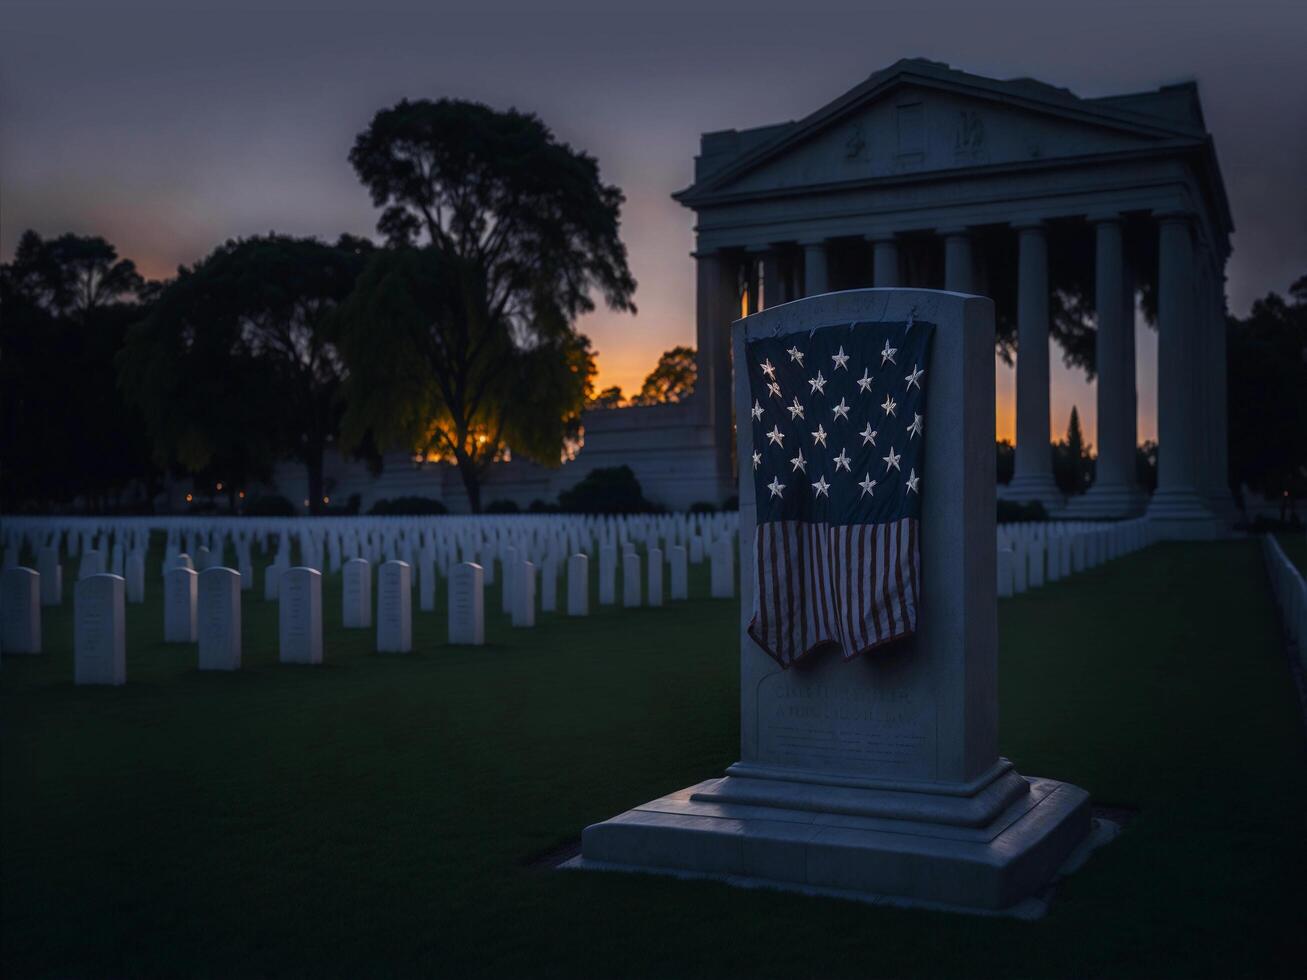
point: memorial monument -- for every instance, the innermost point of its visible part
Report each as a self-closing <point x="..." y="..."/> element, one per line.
<point x="869" y="762"/>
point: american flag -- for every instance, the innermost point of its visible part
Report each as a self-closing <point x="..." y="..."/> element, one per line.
<point x="838" y="419"/>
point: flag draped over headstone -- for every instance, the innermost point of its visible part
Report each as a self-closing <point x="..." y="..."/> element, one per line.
<point x="838" y="419"/>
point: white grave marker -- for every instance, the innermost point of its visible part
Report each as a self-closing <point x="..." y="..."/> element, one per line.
<point x="20" y="610"/>
<point x="179" y="598"/>
<point x="219" y="618"/>
<point x="394" y="608"/>
<point x="467" y="614"/>
<point x="299" y="616"/>
<point x="99" y="631"/>
<point x="679" y="572"/>
<point x="356" y="595"/>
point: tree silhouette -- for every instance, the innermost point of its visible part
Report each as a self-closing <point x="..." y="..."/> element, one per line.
<point x="517" y="231"/>
<point x="73" y="274"/>
<point x="671" y="381"/>
<point x="610" y="397"/>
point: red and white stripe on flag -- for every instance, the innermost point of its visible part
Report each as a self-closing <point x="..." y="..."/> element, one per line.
<point x="853" y="585"/>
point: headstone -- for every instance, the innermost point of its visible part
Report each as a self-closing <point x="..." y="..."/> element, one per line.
<point x="722" y="584"/>
<point x="696" y="549"/>
<point x="179" y="599"/>
<point x="356" y="594"/>
<point x="134" y="573"/>
<point x="679" y="573"/>
<point x="394" y="608"/>
<point x="877" y="776"/>
<point x="219" y="618"/>
<point x="99" y="631"/>
<point x="299" y="616"/>
<point x="92" y="563"/>
<point x="467" y="614"/>
<point x="52" y="576"/>
<point x="578" y="585"/>
<point x="655" y="564"/>
<point x="631" y="579"/>
<point x="20" y="610"/>
<point x="524" y="594"/>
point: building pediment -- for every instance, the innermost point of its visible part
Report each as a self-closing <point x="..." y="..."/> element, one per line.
<point x="921" y="117"/>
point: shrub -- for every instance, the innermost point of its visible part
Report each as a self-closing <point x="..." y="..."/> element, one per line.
<point x="503" y="507"/>
<point x="269" y="505"/>
<point x="408" y="507"/>
<point x="606" y="490"/>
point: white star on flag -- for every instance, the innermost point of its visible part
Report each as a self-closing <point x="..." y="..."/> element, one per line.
<point x="892" y="460"/>
<point x="841" y="411"/>
<point x="888" y="353"/>
<point x="864" y="382"/>
<point x="890" y="405"/>
<point x="776" y="486"/>
<point x="768" y="369"/>
<point x="915" y="377"/>
<point x="795" y="355"/>
<point x="868" y="485"/>
<point x="913" y="480"/>
<point x="776" y="436"/>
<point x="869" y="435"/>
<point x="915" y="428"/>
<point x="822" y="487"/>
<point x="796" y="410"/>
<point x="756" y="411"/>
<point x="757" y="458"/>
<point x="842" y="462"/>
<point x="774" y="389"/>
<point x="841" y="360"/>
<point x="818" y="384"/>
<point x="800" y="464"/>
<point x="820" y="435"/>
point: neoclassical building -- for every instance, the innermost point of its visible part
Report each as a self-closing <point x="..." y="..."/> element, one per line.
<point x="927" y="176"/>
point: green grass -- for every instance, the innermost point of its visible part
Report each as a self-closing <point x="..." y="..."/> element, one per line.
<point x="378" y="816"/>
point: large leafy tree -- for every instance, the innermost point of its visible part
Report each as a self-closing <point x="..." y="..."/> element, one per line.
<point x="66" y="433"/>
<point x="500" y="236"/>
<point x="1268" y="395"/>
<point x="235" y="366"/>
<point x="672" y="380"/>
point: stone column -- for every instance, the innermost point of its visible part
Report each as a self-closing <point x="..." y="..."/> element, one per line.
<point x="717" y="307"/>
<point x="1114" y="493"/>
<point x="816" y="276"/>
<point x="1033" y="475"/>
<point x="959" y="269"/>
<point x="885" y="262"/>
<point x="1222" y="500"/>
<point x="773" y="291"/>
<point x="1178" y="506"/>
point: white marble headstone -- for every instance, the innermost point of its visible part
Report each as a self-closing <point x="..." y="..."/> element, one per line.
<point x="219" y="619"/>
<point x="20" y="610"/>
<point x="179" y="599"/>
<point x="356" y="594"/>
<point x="467" y="615"/>
<point x="394" y="608"/>
<point x="299" y="616"/>
<point x="99" y="631"/>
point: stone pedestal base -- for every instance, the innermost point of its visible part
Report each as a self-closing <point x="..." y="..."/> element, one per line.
<point x="1111" y="501"/>
<point x="985" y="846"/>
<point x="1183" y="515"/>
<point x="1025" y="489"/>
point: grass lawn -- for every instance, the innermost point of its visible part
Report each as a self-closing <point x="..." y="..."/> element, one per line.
<point x="379" y="815"/>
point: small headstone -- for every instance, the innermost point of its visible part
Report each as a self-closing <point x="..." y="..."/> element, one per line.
<point x="394" y="608"/>
<point x="467" y="615"/>
<point x="679" y="572"/>
<point x="179" y="598"/>
<point x="723" y="568"/>
<point x="655" y="576"/>
<point x="524" y="595"/>
<point x="631" y="579"/>
<point x="99" y="631"/>
<point x="52" y="576"/>
<point x="356" y="595"/>
<point x="134" y="569"/>
<point x="219" y="619"/>
<point x="578" y="585"/>
<point x="299" y="616"/>
<point x="20" y="610"/>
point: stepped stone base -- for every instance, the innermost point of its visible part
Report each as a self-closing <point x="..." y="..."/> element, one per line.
<point x="1107" y="502"/>
<point x="1027" y="489"/>
<point x="988" y="846"/>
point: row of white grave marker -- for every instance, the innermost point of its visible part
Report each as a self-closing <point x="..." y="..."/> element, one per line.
<point x="1290" y="591"/>
<point x="1030" y="555"/>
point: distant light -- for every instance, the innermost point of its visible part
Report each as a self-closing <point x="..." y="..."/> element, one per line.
<point x="242" y="495"/>
<point x="188" y="498"/>
<point x="326" y="500"/>
<point x="219" y="487"/>
<point x="306" y="501"/>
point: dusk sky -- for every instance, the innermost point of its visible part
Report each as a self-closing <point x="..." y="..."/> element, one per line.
<point x="170" y="127"/>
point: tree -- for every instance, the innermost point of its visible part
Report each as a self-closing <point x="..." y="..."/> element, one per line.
<point x="516" y="231"/>
<point x="608" y="398"/>
<point x="1073" y="467"/>
<point x="1268" y="395"/>
<point x="671" y="381"/>
<point x="235" y="365"/>
<point x="66" y="434"/>
<point x="429" y="369"/>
